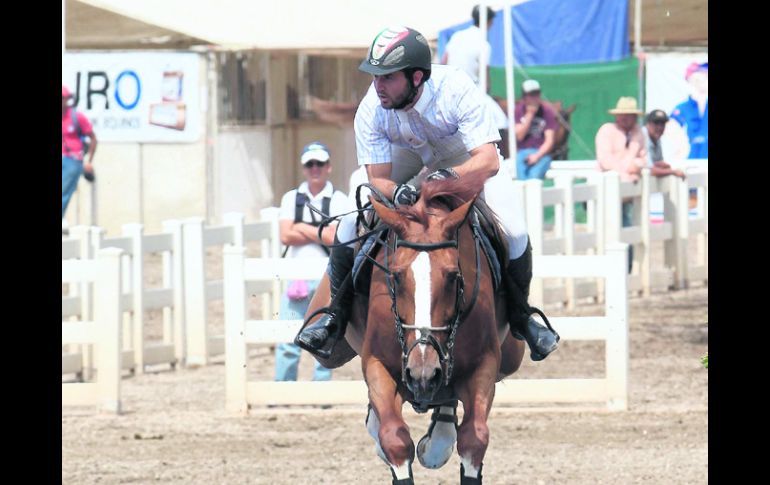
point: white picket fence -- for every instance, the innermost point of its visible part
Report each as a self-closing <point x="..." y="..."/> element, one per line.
<point x="200" y="291"/>
<point x="182" y="298"/>
<point x="604" y="194"/>
<point x="103" y="331"/>
<point x="136" y="299"/>
<point x="612" y="328"/>
<point x="186" y="292"/>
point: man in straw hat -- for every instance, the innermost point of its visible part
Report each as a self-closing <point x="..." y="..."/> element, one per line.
<point x="620" y="147"/>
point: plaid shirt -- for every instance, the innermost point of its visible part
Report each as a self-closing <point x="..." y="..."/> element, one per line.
<point x="449" y="119"/>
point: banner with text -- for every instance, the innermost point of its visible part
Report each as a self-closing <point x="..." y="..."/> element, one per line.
<point x="137" y="97"/>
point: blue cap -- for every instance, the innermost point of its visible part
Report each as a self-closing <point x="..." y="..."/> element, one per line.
<point x="314" y="151"/>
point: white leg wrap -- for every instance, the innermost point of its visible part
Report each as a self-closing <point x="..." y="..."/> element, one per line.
<point x="373" y="427"/>
<point x="470" y="471"/>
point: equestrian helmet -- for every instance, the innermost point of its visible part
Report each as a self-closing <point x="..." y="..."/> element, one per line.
<point x="397" y="48"/>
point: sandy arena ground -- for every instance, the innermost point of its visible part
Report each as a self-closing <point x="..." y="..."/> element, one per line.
<point x="175" y="429"/>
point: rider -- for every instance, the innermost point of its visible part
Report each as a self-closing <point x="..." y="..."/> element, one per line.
<point x="417" y="116"/>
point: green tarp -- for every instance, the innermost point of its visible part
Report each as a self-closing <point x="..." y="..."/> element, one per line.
<point x="595" y="88"/>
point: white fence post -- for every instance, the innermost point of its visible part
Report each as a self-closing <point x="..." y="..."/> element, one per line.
<point x="174" y="227"/>
<point x="236" y="221"/>
<point x="565" y="182"/>
<point x="135" y="232"/>
<point x="271" y="303"/>
<point x="703" y="240"/>
<point x="675" y="249"/>
<point x="108" y="315"/>
<point x="235" y="319"/>
<point x="84" y="290"/>
<point x="612" y="208"/>
<point x="533" y="193"/>
<point x="195" y="292"/>
<point x="645" y="267"/>
<point x="617" y="361"/>
<point x="598" y="217"/>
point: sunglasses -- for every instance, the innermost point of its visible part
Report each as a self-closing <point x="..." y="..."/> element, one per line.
<point x="315" y="163"/>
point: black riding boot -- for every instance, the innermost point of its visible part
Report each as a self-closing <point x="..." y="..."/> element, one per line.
<point x="541" y="340"/>
<point x="320" y="337"/>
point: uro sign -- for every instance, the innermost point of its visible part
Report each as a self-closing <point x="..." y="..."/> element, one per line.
<point x="137" y="97"/>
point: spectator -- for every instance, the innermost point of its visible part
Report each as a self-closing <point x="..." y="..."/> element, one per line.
<point x="299" y="231"/>
<point x="655" y="126"/>
<point x="465" y="50"/>
<point x="535" y="127"/>
<point x="75" y="129"/>
<point x="466" y="47"/>
<point x="620" y="147"/>
<point x="693" y="114"/>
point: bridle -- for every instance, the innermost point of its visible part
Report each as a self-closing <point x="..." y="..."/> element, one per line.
<point x="427" y="337"/>
<point x="445" y="353"/>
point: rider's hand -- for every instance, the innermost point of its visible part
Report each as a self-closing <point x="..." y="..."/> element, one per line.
<point x="405" y="194"/>
<point x="442" y="174"/>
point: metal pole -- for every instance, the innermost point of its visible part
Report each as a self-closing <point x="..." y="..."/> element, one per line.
<point x="638" y="49"/>
<point x="482" y="52"/>
<point x="508" y="43"/>
<point x="637" y="25"/>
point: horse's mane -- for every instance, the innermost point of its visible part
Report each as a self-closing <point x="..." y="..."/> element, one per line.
<point x="450" y="192"/>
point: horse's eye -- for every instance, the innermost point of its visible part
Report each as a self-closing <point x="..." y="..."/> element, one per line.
<point x="452" y="276"/>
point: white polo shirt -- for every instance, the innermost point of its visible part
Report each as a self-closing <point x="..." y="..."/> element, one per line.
<point x="450" y="119"/>
<point x="338" y="205"/>
<point x="463" y="51"/>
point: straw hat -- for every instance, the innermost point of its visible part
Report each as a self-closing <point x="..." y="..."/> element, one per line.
<point x="626" y="106"/>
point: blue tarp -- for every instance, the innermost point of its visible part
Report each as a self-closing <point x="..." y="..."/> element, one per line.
<point x="550" y="32"/>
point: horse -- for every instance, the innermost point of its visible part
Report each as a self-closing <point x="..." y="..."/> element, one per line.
<point x="432" y="331"/>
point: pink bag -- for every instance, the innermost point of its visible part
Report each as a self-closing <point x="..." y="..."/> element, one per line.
<point x="298" y="290"/>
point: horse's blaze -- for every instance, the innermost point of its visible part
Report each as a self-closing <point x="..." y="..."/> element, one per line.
<point x="422" y="295"/>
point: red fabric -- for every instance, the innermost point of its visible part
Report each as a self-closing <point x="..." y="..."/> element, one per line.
<point x="69" y="135"/>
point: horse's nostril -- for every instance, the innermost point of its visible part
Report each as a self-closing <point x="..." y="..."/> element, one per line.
<point x="409" y="377"/>
<point x="436" y="378"/>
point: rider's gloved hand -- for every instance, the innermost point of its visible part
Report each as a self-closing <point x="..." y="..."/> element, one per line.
<point x="441" y="174"/>
<point x="405" y="194"/>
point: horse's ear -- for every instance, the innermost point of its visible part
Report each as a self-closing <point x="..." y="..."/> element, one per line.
<point x="456" y="217"/>
<point x="391" y="217"/>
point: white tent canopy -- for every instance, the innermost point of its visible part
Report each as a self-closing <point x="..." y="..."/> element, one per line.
<point x="250" y="24"/>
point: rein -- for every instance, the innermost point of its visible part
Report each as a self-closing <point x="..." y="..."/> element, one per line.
<point x="445" y="353"/>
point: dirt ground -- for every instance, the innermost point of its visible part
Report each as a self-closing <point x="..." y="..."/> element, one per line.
<point x="175" y="429"/>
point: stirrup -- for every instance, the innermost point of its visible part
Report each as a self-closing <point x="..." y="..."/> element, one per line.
<point x="538" y="352"/>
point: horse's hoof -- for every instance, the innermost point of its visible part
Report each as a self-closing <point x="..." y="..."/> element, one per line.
<point x="434" y="460"/>
<point x="435" y="448"/>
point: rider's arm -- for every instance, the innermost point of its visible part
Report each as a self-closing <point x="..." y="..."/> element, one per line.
<point x="379" y="176"/>
<point x="483" y="159"/>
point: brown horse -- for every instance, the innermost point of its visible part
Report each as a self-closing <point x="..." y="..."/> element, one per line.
<point x="432" y="331"/>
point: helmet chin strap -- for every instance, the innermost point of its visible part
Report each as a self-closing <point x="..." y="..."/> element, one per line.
<point x="410" y="97"/>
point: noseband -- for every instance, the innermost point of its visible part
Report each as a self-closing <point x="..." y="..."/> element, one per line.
<point x="445" y="354"/>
